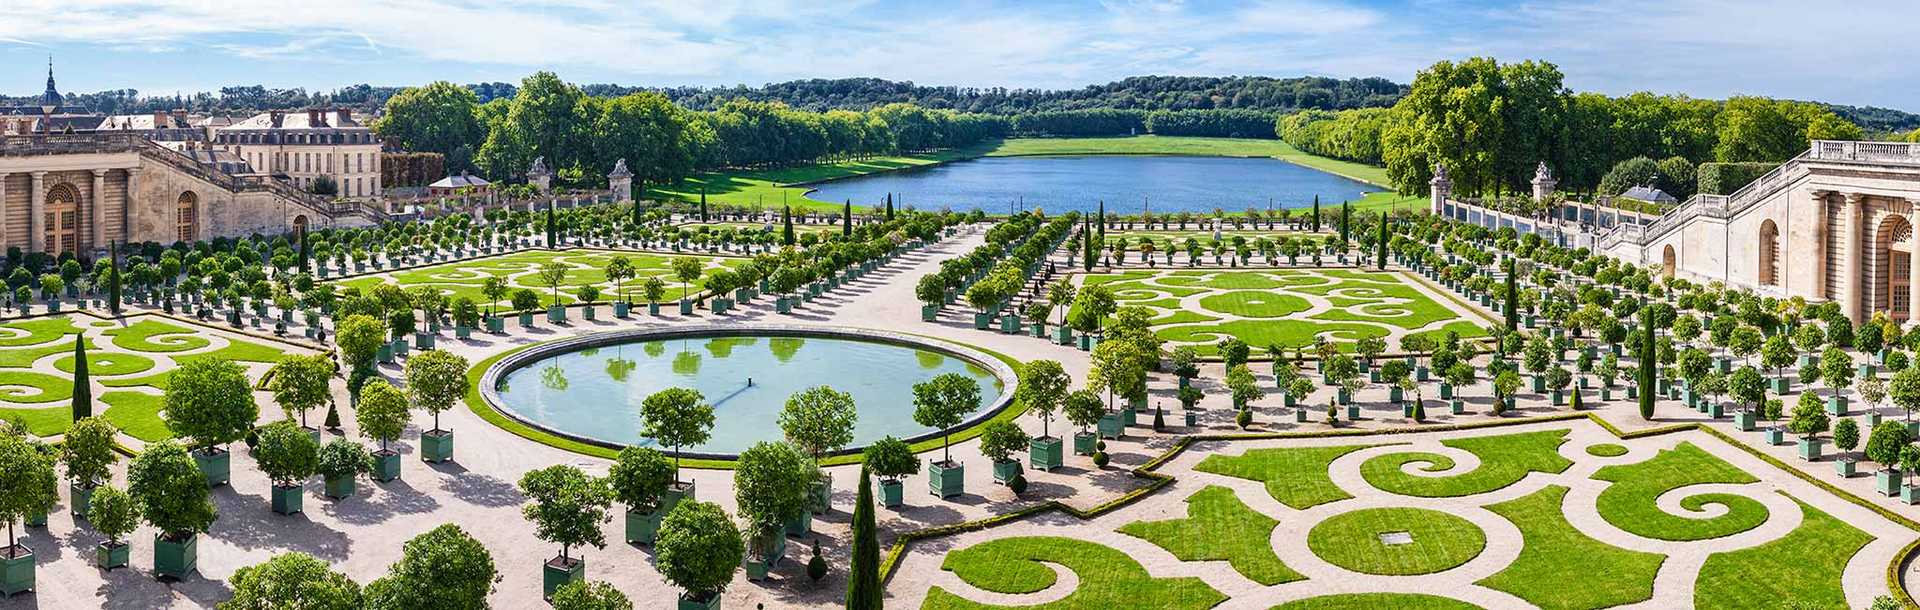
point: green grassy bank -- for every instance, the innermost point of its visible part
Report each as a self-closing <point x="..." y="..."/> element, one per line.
<point x="771" y="188"/>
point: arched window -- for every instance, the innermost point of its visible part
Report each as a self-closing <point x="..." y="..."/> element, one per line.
<point x="61" y="223"/>
<point x="1667" y="262"/>
<point x="1769" y="254"/>
<point x="186" y="217"/>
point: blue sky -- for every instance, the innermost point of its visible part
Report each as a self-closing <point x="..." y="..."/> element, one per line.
<point x="1857" y="52"/>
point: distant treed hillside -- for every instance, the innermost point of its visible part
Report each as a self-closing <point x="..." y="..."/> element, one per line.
<point x="1135" y="93"/>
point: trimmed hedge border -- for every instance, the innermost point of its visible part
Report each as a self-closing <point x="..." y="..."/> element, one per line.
<point x="479" y="406"/>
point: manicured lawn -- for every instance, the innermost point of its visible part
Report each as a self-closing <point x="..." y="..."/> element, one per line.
<point x="120" y="358"/>
<point x="1219" y="527"/>
<point x="1285" y="307"/>
<point x="1607" y="450"/>
<point x="1556" y="552"/>
<point x="1377" y="601"/>
<point x="768" y="189"/>
<point x="1294" y="476"/>
<point x="1504" y="460"/>
<point x="585" y="267"/>
<point x="1354" y="541"/>
<point x="1108" y="577"/>
<point x="1803" y="568"/>
<point x="1629" y="503"/>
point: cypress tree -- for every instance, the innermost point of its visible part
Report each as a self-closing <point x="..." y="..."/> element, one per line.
<point x="1103" y="222"/>
<point x="863" y="578"/>
<point x="1380" y="254"/>
<point x="786" y="220"/>
<point x="550" y="225"/>
<point x="1645" y="377"/>
<point x="1346" y="224"/>
<point x="1086" y="245"/>
<point x="889" y="206"/>
<point x="1316" y="213"/>
<point x="636" y="211"/>
<point x="82" y="386"/>
<point x="1513" y="296"/>
<point x="846" y="218"/>
<point x="333" y="417"/>
<point x="703" y="203"/>
<point x="305" y="253"/>
<point x="1576" y="398"/>
<point x="113" y="279"/>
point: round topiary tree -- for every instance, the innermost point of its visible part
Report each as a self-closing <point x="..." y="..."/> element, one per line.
<point x="210" y="403"/>
<point x="114" y="514"/>
<point x="341" y="462"/>
<point x="288" y="456"/>
<point x="28" y="487"/>
<point x="567" y="507"/>
<point x="998" y="441"/>
<point x="589" y="595"/>
<point x="1885" y="443"/>
<point x="675" y="418"/>
<point x="443" y="568"/>
<point x="942" y="403"/>
<point x="360" y="337"/>
<point x="770" y="487"/>
<point x="293" y="580"/>
<point x="435" y="380"/>
<point x="698" y="550"/>
<point x="301" y="384"/>
<point x="171" y="493"/>
<point x="88" y="452"/>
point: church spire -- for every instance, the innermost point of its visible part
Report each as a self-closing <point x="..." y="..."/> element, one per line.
<point x="50" y="100"/>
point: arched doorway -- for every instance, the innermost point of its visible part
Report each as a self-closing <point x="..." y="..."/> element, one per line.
<point x="61" y="220"/>
<point x="1667" y="262"/>
<point x="186" y="217"/>
<point x="1769" y="254"/>
<point x="1891" y="272"/>
<point x="299" y="228"/>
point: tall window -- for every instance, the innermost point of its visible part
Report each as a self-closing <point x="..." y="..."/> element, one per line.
<point x="186" y="217"/>
<point x="62" y="220"/>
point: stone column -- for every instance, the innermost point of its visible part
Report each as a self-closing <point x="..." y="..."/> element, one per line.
<point x="1818" y="248"/>
<point x="36" y="212"/>
<point x="1850" y="287"/>
<point x="1913" y="265"/>
<point x="126" y="210"/>
<point x="3" y="209"/>
<point x="99" y="217"/>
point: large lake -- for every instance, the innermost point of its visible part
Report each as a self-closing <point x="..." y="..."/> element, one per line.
<point x="1063" y="183"/>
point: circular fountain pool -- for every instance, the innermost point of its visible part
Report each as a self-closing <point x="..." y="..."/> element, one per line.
<point x="589" y="388"/>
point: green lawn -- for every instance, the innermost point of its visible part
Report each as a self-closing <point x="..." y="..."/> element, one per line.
<point x="1804" y="567"/>
<point x="1504" y="460"/>
<point x="1555" y="551"/>
<point x="1377" y="601"/>
<point x="1273" y="309"/>
<point x="1354" y="541"/>
<point x="1629" y="502"/>
<point x="586" y="267"/>
<point x="1108" y="577"/>
<point x="768" y="189"/>
<point x="1219" y="527"/>
<point x="1294" y="476"/>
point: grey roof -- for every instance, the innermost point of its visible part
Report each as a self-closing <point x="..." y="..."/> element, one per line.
<point x="297" y="119"/>
<point x="1648" y="193"/>
<point x="461" y="181"/>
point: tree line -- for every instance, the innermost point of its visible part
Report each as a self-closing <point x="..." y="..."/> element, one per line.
<point x="1491" y="123"/>
<point x="581" y="136"/>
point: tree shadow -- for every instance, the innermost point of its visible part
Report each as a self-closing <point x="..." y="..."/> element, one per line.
<point x="258" y="526"/>
<point x="396" y="497"/>
<point x="478" y="489"/>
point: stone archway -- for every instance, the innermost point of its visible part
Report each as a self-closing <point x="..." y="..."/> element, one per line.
<point x="299" y="228"/>
<point x="1890" y="271"/>
<point x="186" y="217"/>
<point x="1769" y="245"/>
<point x="1667" y="262"/>
<point x="60" y="228"/>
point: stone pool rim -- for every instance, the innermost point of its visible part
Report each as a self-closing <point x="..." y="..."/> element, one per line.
<point x="490" y="379"/>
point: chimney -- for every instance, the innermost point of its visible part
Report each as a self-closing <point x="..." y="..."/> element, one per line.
<point x="159" y="120"/>
<point x="276" y="117"/>
<point x="343" y="116"/>
<point x="180" y="118"/>
<point x="313" y="118"/>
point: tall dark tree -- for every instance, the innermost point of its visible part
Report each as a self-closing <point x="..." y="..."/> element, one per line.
<point x="703" y="203"/>
<point x="786" y="221"/>
<point x="82" y="383"/>
<point x="551" y="228"/>
<point x="1645" y="376"/>
<point x="636" y="210"/>
<point x="863" y="577"/>
<point x="1102" y="223"/>
<point x="1513" y="295"/>
<point x="113" y="279"/>
<point x="1086" y="244"/>
<point x="889" y="206"/>
<point x="1380" y="249"/>
<point x="1316" y="213"/>
<point x="846" y="218"/>
<point x="1346" y="220"/>
<point x="305" y="250"/>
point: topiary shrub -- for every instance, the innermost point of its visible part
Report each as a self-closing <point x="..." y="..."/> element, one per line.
<point x="1100" y="459"/>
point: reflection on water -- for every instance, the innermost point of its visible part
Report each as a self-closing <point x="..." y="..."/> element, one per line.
<point x="596" y="393"/>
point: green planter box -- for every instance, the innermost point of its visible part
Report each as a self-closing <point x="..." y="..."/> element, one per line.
<point x="676" y="492"/>
<point x="557" y="314"/>
<point x="79" y="498"/>
<point x="288" y="500"/>
<point x="216" y="465"/>
<point x="1083" y="443"/>
<point x="929" y="313"/>
<point x="641" y="527"/>
<point x="1864" y="371"/>
<point x="1130" y="415"/>
<point x="1844" y="467"/>
<point x="1909" y="495"/>
<point x="526" y="319"/>
<point x="892" y="493"/>
<point x="783" y="304"/>
<point x="820" y="495"/>
<point x="1353" y="412"/>
<point x="1086" y="343"/>
<point x="555" y="573"/>
<point x="462" y="332"/>
<point x="386" y="466"/>
<point x="423" y="340"/>
<point x="982" y="320"/>
<point x="1004" y="472"/>
<point x="496" y="325"/>
<point x="110" y="556"/>
<point x="712" y="603"/>
<point x="1887" y="481"/>
<point x="1446" y="391"/>
<point x="1457" y="406"/>
<point x="1873" y="419"/>
<point x="1716" y="410"/>
<point x="175" y="559"/>
<point x="720" y="305"/>
<point x="1039" y="330"/>
<point x="16" y="574"/>
<point x="1111" y="425"/>
<point x="1810" y="449"/>
<point x="1538" y="383"/>
<point x="1744" y="420"/>
<point x="1010" y="324"/>
<point x="1772" y="436"/>
<point x="384" y="353"/>
<point x="1044" y="453"/>
<point x="946" y="480"/>
<point x="1779" y="385"/>
<point x="1063" y="335"/>
<point x="1837" y="406"/>
<point x="340" y="487"/>
<point x="436" y="446"/>
<point x="622" y="309"/>
<point x="800" y="526"/>
<point x="1395" y="395"/>
<point x="400" y="347"/>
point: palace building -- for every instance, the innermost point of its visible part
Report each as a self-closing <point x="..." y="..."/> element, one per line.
<point x="76" y="182"/>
